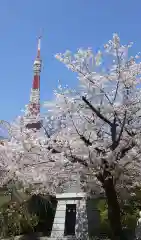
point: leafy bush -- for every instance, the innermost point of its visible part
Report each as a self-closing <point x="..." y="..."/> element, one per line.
<point x="44" y="208"/>
<point x="15" y="219"/>
<point x="25" y="214"/>
<point x="129" y="214"/>
<point x="104" y="224"/>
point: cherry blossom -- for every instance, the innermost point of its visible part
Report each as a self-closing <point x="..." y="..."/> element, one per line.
<point x="102" y="120"/>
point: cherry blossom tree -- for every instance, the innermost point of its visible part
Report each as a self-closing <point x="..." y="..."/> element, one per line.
<point x="100" y="121"/>
<point x="27" y="158"/>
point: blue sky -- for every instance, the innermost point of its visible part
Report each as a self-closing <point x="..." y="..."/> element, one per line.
<point x="65" y="24"/>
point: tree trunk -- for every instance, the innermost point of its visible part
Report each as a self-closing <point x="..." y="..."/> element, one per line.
<point x="113" y="210"/>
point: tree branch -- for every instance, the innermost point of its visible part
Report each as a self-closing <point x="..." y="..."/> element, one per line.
<point x="113" y="133"/>
<point x="122" y="127"/>
<point x="96" y="111"/>
<point x="75" y="159"/>
<point x="125" y="150"/>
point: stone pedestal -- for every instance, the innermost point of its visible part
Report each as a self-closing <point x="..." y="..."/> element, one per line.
<point x="78" y="202"/>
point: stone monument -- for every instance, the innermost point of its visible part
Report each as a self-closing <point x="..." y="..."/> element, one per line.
<point x="70" y="220"/>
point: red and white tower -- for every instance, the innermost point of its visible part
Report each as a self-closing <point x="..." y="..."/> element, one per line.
<point x="33" y="108"/>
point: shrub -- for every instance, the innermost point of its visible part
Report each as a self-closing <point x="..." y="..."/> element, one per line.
<point x="15" y="220"/>
<point x="129" y="214"/>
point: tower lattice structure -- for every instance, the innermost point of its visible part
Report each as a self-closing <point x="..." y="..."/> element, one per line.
<point x="32" y="116"/>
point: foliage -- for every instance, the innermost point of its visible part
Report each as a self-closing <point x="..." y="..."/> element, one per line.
<point x="130" y="208"/>
<point x="44" y="208"/>
<point x="15" y="220"/>
<point x="22" y="213"/>
<point x="129" y="214"/>
<point x="104" y="224"/>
